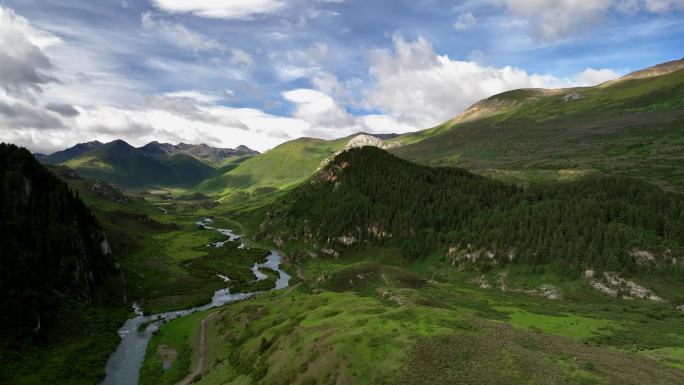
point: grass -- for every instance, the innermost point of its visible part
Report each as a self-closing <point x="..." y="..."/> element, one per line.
<point x="165" y="256"/>
<point x="281" y="168"/>
<point x="568" y="325"/>
<point x="370" y="317"/>
<point x="629" y="128"/>
<point x="180" y="336"/>
<point x="347" y="337"/>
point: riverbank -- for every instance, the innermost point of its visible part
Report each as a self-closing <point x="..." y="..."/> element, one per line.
<point x="124" y="365"/>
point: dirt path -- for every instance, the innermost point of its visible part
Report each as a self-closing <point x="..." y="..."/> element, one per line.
<point x="201" y="354"/>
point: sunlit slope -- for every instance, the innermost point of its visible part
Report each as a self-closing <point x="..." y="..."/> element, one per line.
<point x="282" y="167"/>
<point x="633" y="126"/>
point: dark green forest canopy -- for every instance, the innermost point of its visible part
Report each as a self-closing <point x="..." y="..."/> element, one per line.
<point x="51" y="247"/>
<point x="369" y="196"/>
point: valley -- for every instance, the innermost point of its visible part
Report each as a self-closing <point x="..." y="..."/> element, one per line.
<point x="538" y="238"/>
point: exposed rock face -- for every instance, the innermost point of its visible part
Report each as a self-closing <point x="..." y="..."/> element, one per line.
<point x="346" y="240"/>
<point x="573" y="96"/>
<point x="481" y="282"/>
<point x="106" y="190"/>
<point x="643" y="256"/>
<point x="368" y="140"/>
<point x="362" y="140"/>
<point x="612" y="285"/>
<point x="545" y="290"/>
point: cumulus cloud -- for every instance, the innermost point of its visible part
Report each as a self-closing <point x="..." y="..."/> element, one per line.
<point x="552" y="20"/>
<point x="592" y="77"/>
<point x="178" y="34"/>
<point x="195" y="107"/>
<point x="465" y="20"/>
<point x="416" y="86"/>
<point x="241" y="58"/>
<point x="318" y="109"/>
<point x="242" y="9"/>
<point x="556" y="19"/>
<point x="24" y="66"/>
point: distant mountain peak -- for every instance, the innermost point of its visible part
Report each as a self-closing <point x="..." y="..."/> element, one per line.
<point x="69" y="153"/>
<point x="202" y="151"/>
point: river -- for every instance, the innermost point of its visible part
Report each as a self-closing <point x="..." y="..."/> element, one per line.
<point x="123" y="366"/>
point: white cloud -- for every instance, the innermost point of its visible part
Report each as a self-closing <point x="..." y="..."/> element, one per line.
<point x="24" y="68"/>
<point x="557" y="19"/>
<point x="465" y="20"/>
<point x="178" y="34"/>
<point x="663" y="5"/>
<point x="241" y="58"/>
<point x="229" y="9"/>
<point x="418" y="87"/>
<point x="552" y="20"/>
<point x="196" y="96"/>
<point x="592" y="77"/>
<point x="318" y="109"/>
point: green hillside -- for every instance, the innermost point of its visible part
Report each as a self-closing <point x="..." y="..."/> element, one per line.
<point x="633" y="126"/>
<point x="282" y="167"/>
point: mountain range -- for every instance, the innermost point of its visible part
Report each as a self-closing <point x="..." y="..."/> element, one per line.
<point x="631" y="126"/>
<point x="152" y="165"/>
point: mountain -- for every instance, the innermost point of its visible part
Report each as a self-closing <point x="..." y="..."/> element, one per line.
<point x="68" y="154"/>
<point x="203" y="152"/>
<point x="522" y="136"/>
<point x="632" y="126"/>
<point x="281" y="167"/>
<point x="366" y="196"/>
<point x="53" y="249"/>
<point x="290" y="163"/>
<point x="120" y="163"/>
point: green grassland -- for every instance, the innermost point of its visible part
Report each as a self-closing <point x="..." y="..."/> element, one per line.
<point x="630" y="127"/>
<point x="179" y="337"/>
<point x="371" y="317"/>
<point x="282" y="167"/>
<point x="166" y="257"/>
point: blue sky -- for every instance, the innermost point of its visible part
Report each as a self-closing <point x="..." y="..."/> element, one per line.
<point x="260" y="72"/>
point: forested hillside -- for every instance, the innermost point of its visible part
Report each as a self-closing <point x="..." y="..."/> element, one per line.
<point x="367" y="196"/>
<point x="52" y="249"/>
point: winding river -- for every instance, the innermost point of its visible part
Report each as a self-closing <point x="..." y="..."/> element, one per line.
<point x="123" y="366"/>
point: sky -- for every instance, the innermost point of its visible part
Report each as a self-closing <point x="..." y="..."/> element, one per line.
<point x="262" y="72"/>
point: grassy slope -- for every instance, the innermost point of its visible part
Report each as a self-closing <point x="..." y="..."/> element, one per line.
<point x="361" y="322"/>
<point x="632" y="127"/>
<point x="282" y="167"/>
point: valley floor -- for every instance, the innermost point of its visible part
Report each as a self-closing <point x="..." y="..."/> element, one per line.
<point x="370" y="317"/>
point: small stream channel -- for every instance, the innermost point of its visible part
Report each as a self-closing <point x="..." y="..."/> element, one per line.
<point x="123" y="366"/>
